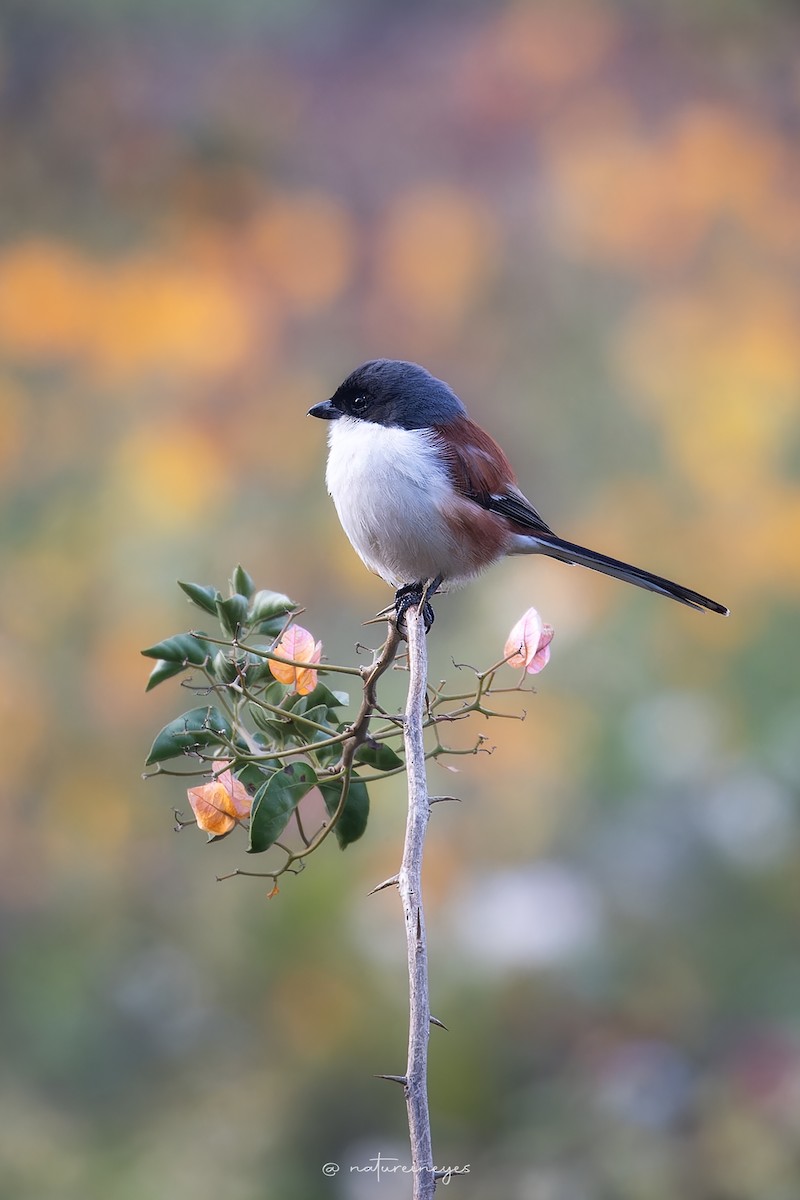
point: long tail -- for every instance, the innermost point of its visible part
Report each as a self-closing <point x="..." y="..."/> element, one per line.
<point x="568" y="552"/>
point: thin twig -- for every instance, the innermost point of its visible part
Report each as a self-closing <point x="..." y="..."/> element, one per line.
<point x="410" y="888"/>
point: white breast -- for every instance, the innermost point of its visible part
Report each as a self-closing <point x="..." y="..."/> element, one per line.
<point x="389" y="489"/>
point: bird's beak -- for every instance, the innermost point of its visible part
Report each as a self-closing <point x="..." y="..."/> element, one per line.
<point x="325" y="411"/>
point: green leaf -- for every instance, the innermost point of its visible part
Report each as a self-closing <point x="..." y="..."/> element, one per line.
<point x="353" y="820"/>
<point x="313" y="703"/>
<point x="273" y="725"/>
<point x="270" y="628"/>
<point x="323" y="695"/>
<point x="242" y="582"/>
<point x="268" y="723"/>
<point x="265" y="605"/>
<point x="232" y="614"/>
<point x="222" y="668"/>
<point x="273" y="693"/>
<point x="204" y="597"/>
<point x="296" y="733"/>
<point x="319" y="714"/>
<point x="183" y="648"/>
<point x="161" y="671"/>
<point x="326" y="755"/>
<point x="295" y="703"/>
<point x="274" y="803"/>
<point x="300" y="706"/>
<point x="174" y="655"/>
<point x="198" y="727"/>
<point x="378" y="755"/>
<point x="253" y="775"/>
<point x="258" y="674"/>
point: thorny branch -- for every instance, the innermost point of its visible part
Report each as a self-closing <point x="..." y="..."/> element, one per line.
<point x="410" y="889"/>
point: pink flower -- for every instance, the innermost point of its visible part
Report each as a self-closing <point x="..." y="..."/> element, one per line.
<point x="221" y="804"/>
<point x="528" y="643"/>
<point x="298" y="644"/>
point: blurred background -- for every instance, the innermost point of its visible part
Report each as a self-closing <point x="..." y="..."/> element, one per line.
<point x="586" y="217"/>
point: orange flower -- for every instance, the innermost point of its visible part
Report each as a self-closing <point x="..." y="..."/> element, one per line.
<point x="298" y="644"/>
<point x="528" y="643"/>
<point x="220" y="804"/>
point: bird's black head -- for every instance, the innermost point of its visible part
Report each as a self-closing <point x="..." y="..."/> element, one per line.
<point x="397" y="394"/>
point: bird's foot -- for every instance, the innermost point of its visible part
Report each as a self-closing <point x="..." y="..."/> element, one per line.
<point x="416" y="595"/>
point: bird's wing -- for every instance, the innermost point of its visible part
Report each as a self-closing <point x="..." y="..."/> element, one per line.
<point x="480" y="471"/>
<point x="512" y="504"/>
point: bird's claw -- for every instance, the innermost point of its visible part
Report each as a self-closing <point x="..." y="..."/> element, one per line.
<point x="415" y="595"/>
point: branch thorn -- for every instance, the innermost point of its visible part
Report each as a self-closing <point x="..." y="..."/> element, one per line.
<point x="392" y="881"/>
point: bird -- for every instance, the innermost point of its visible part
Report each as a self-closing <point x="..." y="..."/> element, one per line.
<point x="427" y="497"/>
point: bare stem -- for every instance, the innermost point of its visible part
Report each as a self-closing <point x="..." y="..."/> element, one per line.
<point x="410" y="889"/>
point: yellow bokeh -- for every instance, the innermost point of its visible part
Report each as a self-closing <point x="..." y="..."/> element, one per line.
<point x="122" y="317"/>
<point x="48" y="299"/>
<point x="720" y="370"/>
<point x="642" y="198"/>
<point x="116" y="673"/>
<point x="437" y="249"/>
<point x="757" y="537"/>
<point x="169" y="475"/>
<point x="722" y="161"/>
<point x="155" y="312"/>
<point x="616" y="202"/>
<point x="306" y="245"/>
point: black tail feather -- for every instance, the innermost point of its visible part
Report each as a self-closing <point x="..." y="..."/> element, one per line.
<point x="569" y="552"/>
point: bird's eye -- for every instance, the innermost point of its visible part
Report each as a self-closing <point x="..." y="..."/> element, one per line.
<point x="359" y="402"/>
